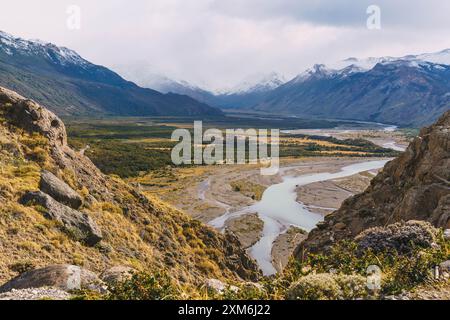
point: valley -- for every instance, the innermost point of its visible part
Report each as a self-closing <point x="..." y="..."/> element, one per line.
<point x="230" y="196"/>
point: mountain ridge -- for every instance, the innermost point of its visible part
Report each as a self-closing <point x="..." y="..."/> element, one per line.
<point x="70" y="85"/>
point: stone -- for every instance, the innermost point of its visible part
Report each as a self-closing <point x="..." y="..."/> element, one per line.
<point x="35" y="294"/>
<point x="117" y="274"/>
<point x="218" y="286"/>
<point x="340" y="226"/>
<point x="447" y="234"/>
<point x="63" y="277"/>
<point x="77" y="224"/>
<point x="59" y="190"/>
<point x="445" y="266"/>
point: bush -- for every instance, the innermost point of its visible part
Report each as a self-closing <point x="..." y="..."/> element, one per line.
<point x="22" y="267"/>
<point x="143" y="286"/>
<point x="315" y="287"/>
<point x="399" y="271"/>
<point x="400" y="237"/>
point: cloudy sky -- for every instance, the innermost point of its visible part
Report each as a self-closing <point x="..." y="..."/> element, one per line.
<point x="217" y="43"/>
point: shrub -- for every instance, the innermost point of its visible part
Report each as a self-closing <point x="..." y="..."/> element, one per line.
<point x="399" y="271"/>
<point x="22" y="267"/>
<point x="143" y="286"/>
<point x="401" y="237"/>
<point x="315" y="287"/>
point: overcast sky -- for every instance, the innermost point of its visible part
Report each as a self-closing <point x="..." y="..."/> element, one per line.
<point x="217" y="43"/>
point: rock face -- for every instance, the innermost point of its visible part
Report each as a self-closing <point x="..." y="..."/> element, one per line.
<point x="59" y="190"/>
<point x="63" y="277"/>
<point x="415" y="186"/>
<point x="77" y="224"/>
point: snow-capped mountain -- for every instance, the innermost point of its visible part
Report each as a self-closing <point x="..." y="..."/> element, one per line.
<point x="410" y="91"/>
<point x="16" y="46"/>
<point x="256" y="83"/>
<point x="441" y="57"/>
<point x="63" y="81"/>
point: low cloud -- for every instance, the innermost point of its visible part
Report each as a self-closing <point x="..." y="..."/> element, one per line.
<point x="216" y="43"/>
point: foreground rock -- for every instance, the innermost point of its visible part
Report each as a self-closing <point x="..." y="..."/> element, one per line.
<point x="218" y="286"/>
<point x="36" y="294"/>
<point x="415" y="186"/>
<point x="63" y="277"/>
<point x="59" y="190"/>
<point x="79" y="225"/>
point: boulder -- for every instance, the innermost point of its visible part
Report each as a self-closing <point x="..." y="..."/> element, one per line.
<point x="63" y="277"/>
<point x="401" y="237"/>
<point x="445" y="266"/>
<point x="78" y="224"/>
<point x="117" y="274"/>
<point x="59" y="190"/>
<point x="218" y="286"/>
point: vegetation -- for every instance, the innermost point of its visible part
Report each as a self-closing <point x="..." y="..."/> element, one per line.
<point x="144" y="286"/>
<point x="131" y="147"/>
<point x="248" y="188"/>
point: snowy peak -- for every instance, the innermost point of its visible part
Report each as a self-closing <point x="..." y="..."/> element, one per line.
<point x="17" y="46"/>
<point x="441" y="57"/>
<point x="318" y="71"/>
<point x="257" y="83"/>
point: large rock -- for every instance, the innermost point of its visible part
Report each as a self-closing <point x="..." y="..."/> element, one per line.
<point x="63" y="277"/>
<point x="32" y="117"/>
<point x="59" y="190"/>
<point x="79" y="225"/>
<point x="415" y="186"/>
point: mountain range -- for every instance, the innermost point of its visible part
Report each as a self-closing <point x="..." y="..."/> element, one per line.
<point x="413" y="90"/>
<point x="67" y="84"/>
<point x="409" y="91"/>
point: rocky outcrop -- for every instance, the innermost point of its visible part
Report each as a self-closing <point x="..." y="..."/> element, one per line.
<point x="415" y="186"/>
<point x="79" y="225"/>
<point x="59" y="190"/>
<point x="63" y="277"/>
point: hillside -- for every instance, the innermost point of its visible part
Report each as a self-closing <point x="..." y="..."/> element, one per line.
<point x="67" y="84"/>
<point x="58" y="208"/>
<point x="415" y="186"/>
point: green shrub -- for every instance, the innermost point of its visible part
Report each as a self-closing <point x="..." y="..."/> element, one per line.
<point x="315" y="287"/>
<point x="143" y="286"/>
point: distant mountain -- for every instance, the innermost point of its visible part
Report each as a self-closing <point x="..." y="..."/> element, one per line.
<point x="441" y="57"/>
<point x="246" y="94"/>
<point x="67" y="84"/>
<point x="409" y="91"/>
